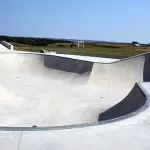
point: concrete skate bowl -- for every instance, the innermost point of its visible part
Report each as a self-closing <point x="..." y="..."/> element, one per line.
<point x="51" y="92"/>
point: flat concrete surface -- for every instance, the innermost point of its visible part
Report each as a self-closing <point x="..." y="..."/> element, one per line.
<point x="86" y="58"/>
<point x="46" y="90"/>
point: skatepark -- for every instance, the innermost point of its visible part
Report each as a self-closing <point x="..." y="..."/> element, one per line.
<point x="52" y="101"/>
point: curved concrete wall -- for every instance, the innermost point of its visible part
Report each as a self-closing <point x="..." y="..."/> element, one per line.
<point x="80" y="66"/>
<point x="7" y="45"/>
<point x="134" y="103"/>
<point x="67" y="64"/>
<point x="135" y="100"/>
<point x="146" y="72"/>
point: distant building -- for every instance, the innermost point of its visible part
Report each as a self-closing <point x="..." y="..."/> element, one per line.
<point x="140" y="45"/>
<point x="143" y="44"/>
<point x="137" y="44"/>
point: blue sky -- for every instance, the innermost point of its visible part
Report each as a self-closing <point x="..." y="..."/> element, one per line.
<point x="109" y="20"/>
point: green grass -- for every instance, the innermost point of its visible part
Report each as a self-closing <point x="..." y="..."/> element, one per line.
<point x="96" y="49"/>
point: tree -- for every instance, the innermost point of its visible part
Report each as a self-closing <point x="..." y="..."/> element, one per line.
<point x="135" y="42"/>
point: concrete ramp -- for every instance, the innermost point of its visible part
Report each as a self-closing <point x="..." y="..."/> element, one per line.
<point x="122" y="73"/>
<point x="46" y="90"/>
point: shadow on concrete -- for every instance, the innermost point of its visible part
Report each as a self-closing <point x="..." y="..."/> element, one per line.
<point x="67" y="64"/>
<point x="135" y="100"/>
<point x="146" y="72"/>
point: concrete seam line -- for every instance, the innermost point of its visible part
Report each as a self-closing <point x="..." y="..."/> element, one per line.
<point x="20" y="139"/>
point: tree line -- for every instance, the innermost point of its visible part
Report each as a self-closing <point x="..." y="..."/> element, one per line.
<point x="32" y="41"/>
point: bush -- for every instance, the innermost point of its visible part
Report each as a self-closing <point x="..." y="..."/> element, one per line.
<point x="60" y="45"/>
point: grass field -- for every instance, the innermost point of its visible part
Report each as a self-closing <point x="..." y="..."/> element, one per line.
<point x="94" y="49"/>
